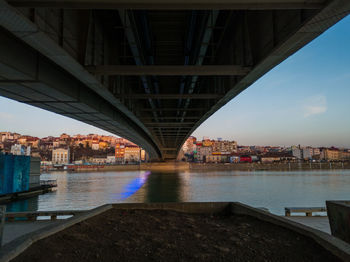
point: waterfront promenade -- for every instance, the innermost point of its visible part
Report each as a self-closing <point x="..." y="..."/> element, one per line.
<point x="14" y="230"/>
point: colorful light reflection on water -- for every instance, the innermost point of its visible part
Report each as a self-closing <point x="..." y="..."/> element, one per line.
<point x="273" y="190"/>
<point x="132" y="187"/>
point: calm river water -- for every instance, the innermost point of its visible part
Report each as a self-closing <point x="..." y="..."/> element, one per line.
<point x="273" y="190"/>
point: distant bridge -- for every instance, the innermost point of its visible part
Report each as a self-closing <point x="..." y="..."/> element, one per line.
<point x="149" y="70"/>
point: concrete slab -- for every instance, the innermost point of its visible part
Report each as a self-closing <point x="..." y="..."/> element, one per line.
<point x="13" y="230"/>
<point x="318" y="222"/>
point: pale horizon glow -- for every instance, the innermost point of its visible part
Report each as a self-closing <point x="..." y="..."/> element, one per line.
<point x="304" y="100"/>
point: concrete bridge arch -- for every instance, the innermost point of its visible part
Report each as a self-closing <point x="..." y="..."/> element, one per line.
<point x="149" y="71"/>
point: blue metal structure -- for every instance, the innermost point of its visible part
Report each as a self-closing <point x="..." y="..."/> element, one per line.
<point x="14" y="173"/>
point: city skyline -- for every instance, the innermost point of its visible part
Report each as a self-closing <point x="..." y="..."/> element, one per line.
<point x="203" y="138"/>
<point x="99" y="149"/>
<point x="304" y="100"/>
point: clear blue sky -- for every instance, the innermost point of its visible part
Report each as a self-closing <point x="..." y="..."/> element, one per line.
<point x="304" y="100"/>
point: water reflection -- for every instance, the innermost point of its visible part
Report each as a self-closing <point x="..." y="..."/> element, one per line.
<point x="273" y="190"/>
<point x="164" y="187"/>
<point x="132" y="187"/>
<point x="26" y="204"/>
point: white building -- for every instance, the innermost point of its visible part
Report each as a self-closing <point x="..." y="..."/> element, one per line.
<point x="203" y="152"/>
<point x="308" y="152"/>
<point x="95" y="146"/>
<point x="98" y="160"/>
<point x="297" y="152"/>
<point x="20" y="150"/>
<point x="317" y="151"/>
<point x="60" y="156"/>
<point x="110" y="159"/>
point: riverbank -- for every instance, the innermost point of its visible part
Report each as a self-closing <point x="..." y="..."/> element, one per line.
<point x="203" y="167"/>
<point x="268" y="166"/>
<point x="180" y="232"/>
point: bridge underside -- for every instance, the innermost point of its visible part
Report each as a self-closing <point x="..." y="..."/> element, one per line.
<point x="150" y="71"/>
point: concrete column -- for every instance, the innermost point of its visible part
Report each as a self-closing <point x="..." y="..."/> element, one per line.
<point x="2" y="221"/>
<point x="34" y="176"/>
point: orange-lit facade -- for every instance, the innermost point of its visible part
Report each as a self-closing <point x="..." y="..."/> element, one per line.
<point x="119" y="152"/>
<point x="132" y="154"/>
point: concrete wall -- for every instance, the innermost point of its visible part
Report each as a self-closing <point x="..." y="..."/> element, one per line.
<point x="34" y="176"/>
<point x="339" y="219"/>
<point x="336" y="246"/>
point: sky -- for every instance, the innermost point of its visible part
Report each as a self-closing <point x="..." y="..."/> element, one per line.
<point x="304" y="100"/>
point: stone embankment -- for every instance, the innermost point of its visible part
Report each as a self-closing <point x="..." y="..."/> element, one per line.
<point x="202" y="167"/>
<point x="268" y="166"/>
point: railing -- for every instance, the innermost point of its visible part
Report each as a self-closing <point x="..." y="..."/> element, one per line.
<point x="33" y="215"/>
<point x="307" y="210"/>
<point x="51" y="183"/>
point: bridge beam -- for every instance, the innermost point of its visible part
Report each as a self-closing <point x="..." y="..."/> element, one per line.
<point x="31" y="78"/>
<point x="169" y="4"/>
<point x="15" y="22"/>
<point x="170" y="118"/>
<point x="199" y="109"/>
<point x="115" y="100"/>
<point x="169" y="124"/>
<point x="167" y="70"/>
<point x="170" y="96"/>
<point x="308" y="29"/>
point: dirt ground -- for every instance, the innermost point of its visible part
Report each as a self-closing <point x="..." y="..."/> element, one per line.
<point x="158" y="235"/>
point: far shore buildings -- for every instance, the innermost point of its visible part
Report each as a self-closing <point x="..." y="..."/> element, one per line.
<point x="93" y="148"/>
<point x="5" y="136"/>
<point x="223" y="151"/>
<point x="132" y="154"/>
<point x="20" y="150"/>
<point x="119" y="153"/>
<point x="60" y="156"/>
<point x="208" y="150"/>
<point x="321" y="154"/>
<point x="273" y="157"/>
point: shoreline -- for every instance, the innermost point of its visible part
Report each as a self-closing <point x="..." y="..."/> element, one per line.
<point x="206" y="167"/>
<point x="269" y="166"/>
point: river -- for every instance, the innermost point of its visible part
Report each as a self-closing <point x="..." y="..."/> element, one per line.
<point x="272" y="190"/>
